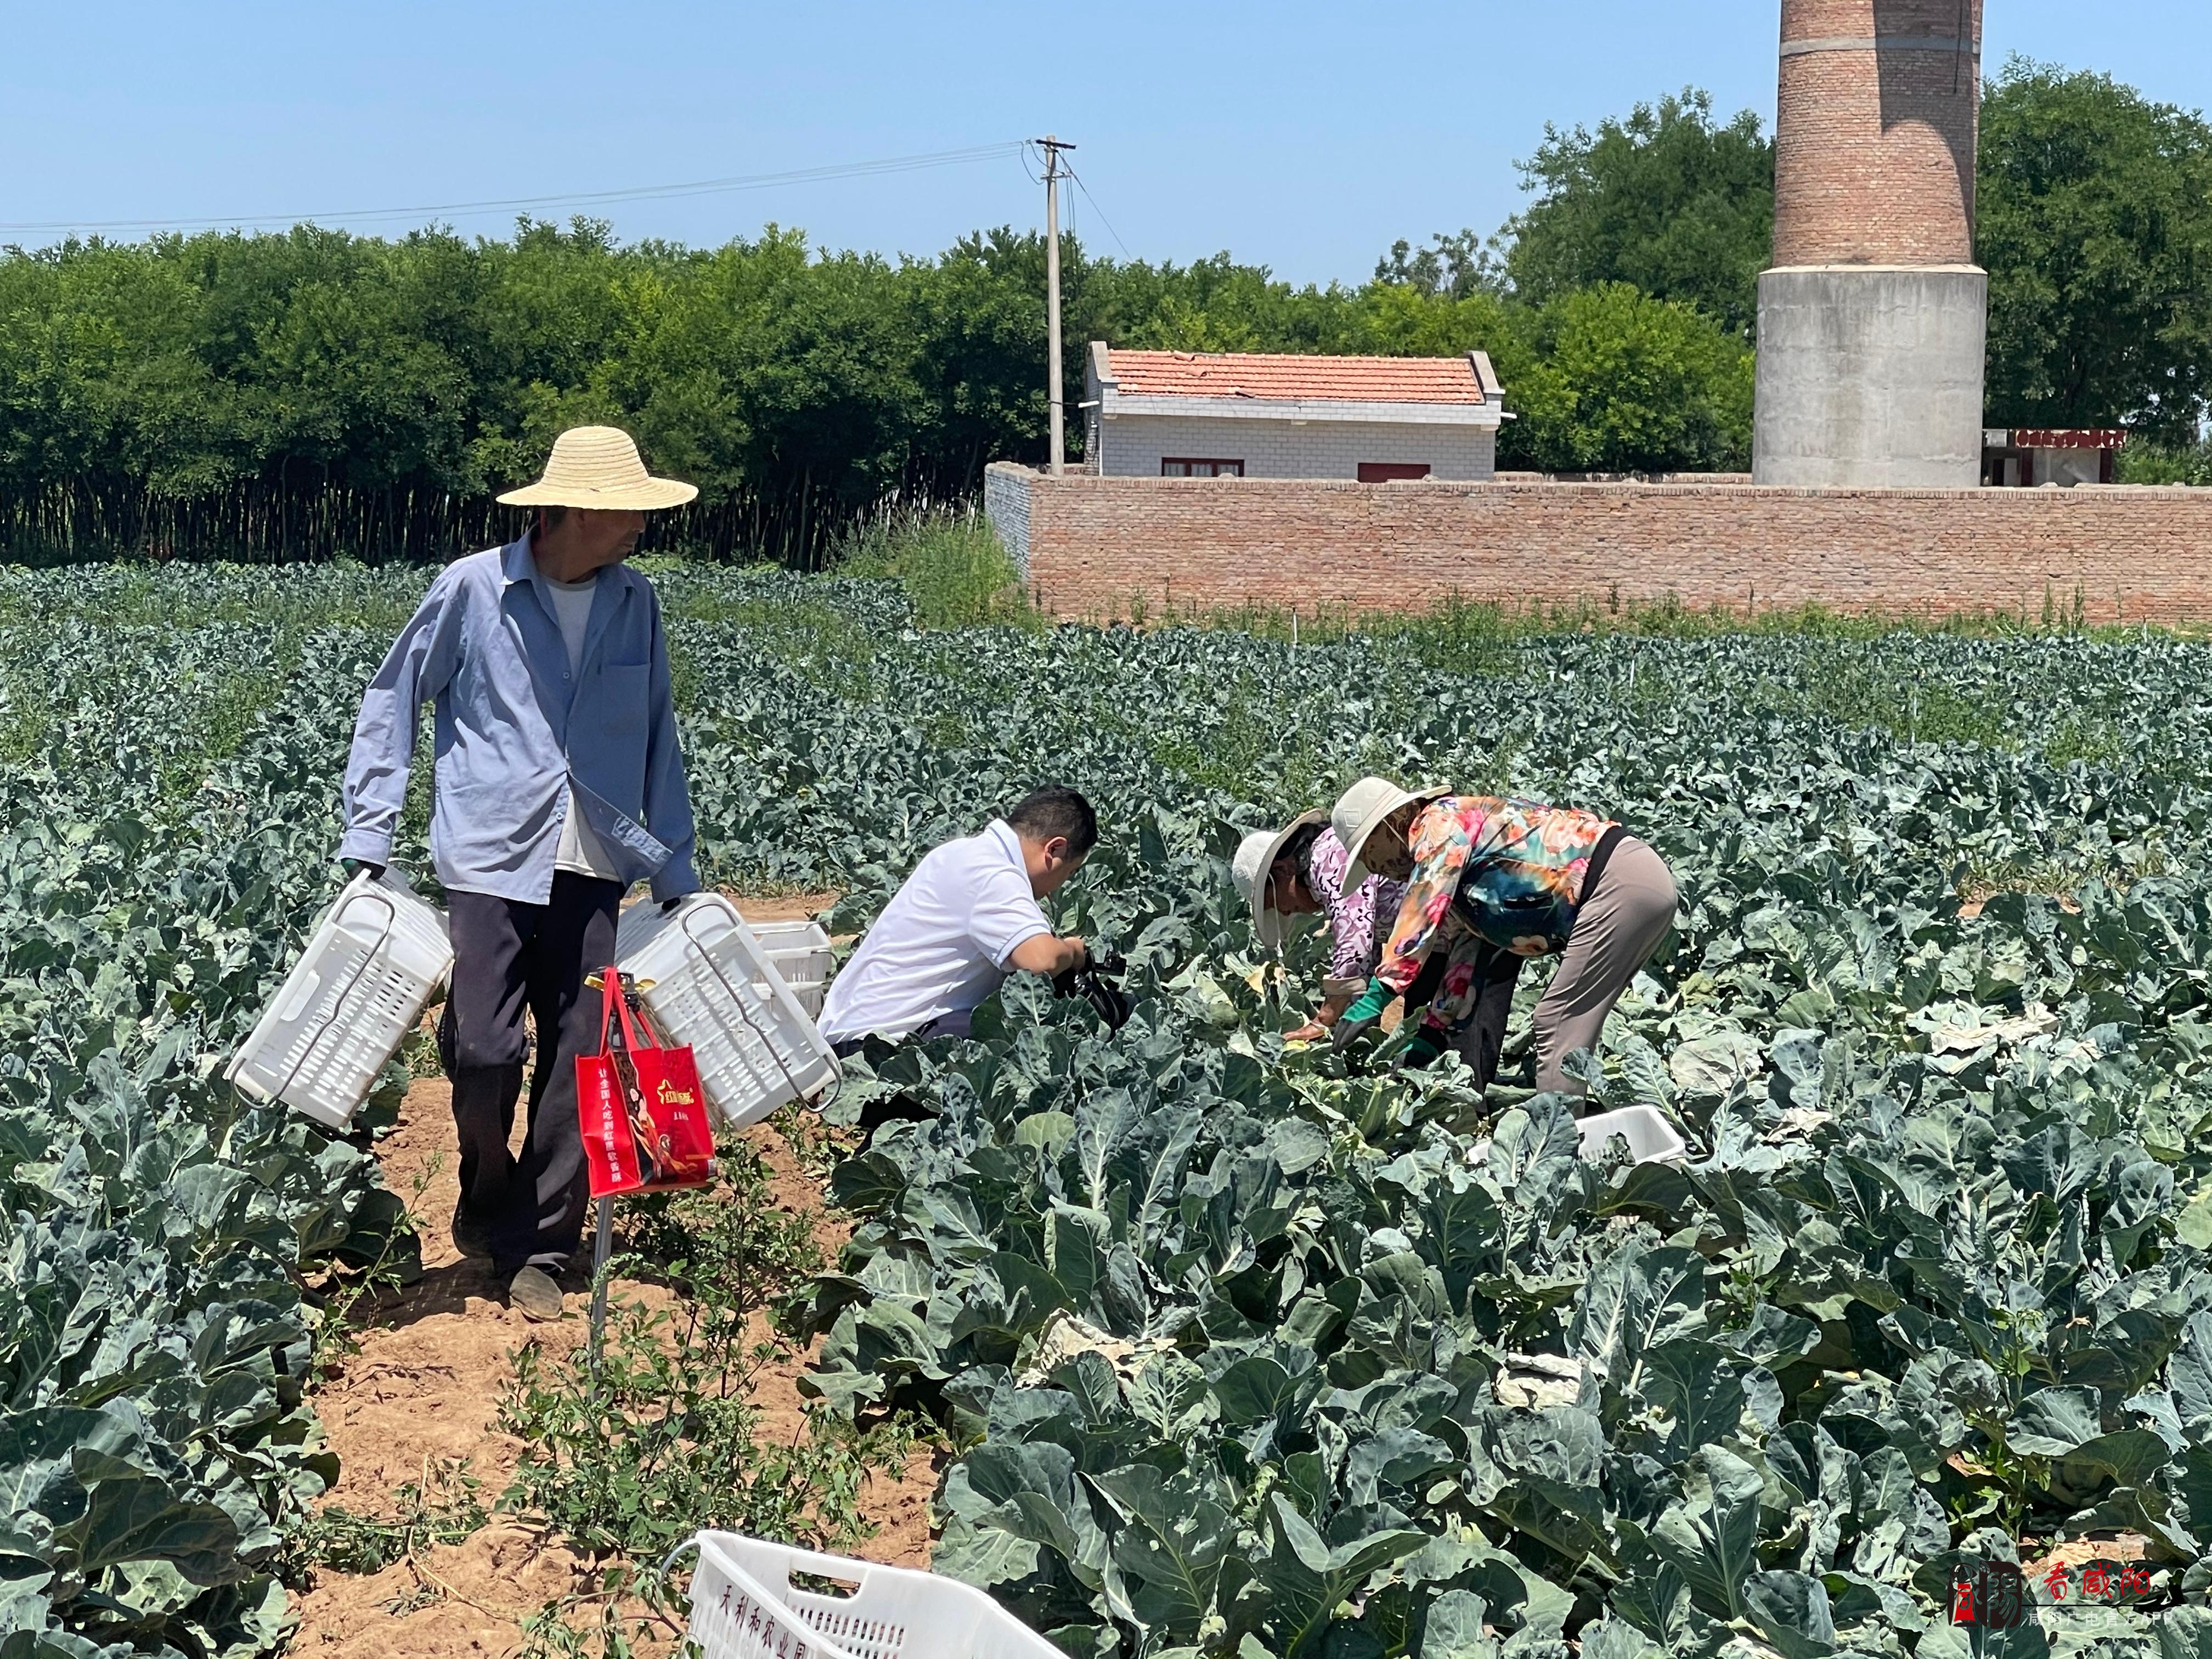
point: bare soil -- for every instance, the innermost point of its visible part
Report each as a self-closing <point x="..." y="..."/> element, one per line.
<point x="422" y="1386"/>
<point x="783" y="907"/>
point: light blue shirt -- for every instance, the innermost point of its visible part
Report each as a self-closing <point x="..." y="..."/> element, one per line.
<point x="520" y="735"/>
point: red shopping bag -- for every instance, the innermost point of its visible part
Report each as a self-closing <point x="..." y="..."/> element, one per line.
<point x="644" y="1116"/>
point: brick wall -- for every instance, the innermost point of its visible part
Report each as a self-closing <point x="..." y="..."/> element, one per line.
<point x="1098" y="546"/>
<point x="1006" y="505"/>
<point x="1133" y="445"/>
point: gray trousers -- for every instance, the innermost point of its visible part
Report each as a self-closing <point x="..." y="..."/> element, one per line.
<point x="1614" y="935"/>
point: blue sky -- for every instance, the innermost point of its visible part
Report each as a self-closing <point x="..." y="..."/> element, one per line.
<point x="1304" y="136"/>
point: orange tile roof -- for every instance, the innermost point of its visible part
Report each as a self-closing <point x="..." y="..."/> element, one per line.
<point x="1290" y="379"/>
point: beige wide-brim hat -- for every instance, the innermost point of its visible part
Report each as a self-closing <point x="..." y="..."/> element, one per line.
<point x="1255" y="856"/>
<point x="1359" y="812"/>
<point x="598" y="467"/>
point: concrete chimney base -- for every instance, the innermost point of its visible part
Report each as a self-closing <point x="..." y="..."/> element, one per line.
<point x="1870" y="376"/>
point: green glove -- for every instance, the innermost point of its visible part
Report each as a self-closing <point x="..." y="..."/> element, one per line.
<point x="1372" y="1001"/>
<point x="1356" y="1021"/>
<point x="1428" y="1043"/>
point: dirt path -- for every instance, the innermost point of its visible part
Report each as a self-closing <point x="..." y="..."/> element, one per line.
<point x="421" y="1390"/>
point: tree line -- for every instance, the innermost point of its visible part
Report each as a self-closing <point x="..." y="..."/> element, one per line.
<point x="315" y="393"/>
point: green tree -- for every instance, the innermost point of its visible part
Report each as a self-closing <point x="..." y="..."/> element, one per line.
<point x="1213" y="305"/>
<point x="1625" y="383"/>
<point x="2096" y="228"/>
<point x="1667" y="200"/>
<point x="2162" y="464"/>
<point x="978" y="318"/>
<point x="1395" y="320"/>
<point x="1458" y="265"/>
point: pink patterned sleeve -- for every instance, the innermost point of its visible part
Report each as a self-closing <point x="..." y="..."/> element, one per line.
<point x="1354" y="946"/>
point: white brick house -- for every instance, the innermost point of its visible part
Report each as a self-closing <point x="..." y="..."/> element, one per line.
<point x="1183" y="413"/>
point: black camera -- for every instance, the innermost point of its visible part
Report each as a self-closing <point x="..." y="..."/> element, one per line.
<point x="1097" y="980"/>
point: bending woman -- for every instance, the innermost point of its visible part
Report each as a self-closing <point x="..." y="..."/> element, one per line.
<point x="1299" y="870"/>
<point x="1491" y="882"/>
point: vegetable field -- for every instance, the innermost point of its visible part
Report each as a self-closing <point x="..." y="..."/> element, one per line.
<point x="1240" y="1354"/>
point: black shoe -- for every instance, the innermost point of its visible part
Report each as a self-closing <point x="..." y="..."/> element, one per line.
<point x="471" y="1232"/>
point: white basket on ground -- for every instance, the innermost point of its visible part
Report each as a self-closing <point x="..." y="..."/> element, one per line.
<point x="708" y="983"/>
<point x="744" y="1606"/>
<point x="1651" y="1138"/>
<point x="373" y="962"/>
<point x="800" y="952"/>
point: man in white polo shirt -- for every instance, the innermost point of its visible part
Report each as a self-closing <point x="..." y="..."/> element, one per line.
<point x="966" y="918"/>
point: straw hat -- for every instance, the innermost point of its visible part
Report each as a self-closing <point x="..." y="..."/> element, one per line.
<point x="1359" y="812"/>
<point x="1254" y="857"/>
<point x="598" y="467"/>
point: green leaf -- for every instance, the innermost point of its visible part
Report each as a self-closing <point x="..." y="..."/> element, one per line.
<point x="1689" y="1382"/>
<point x="1791" y="1611"/>
<point x="1635" y="1302"/>
<point x="1172" y="1551"/>
<point x="133" y="1520"/>
<point x="1710" y="1535"/>
<point x="1454" y="1628"/>
<point x="2052" y="1422"/>
<point x="1307" y="1580"/>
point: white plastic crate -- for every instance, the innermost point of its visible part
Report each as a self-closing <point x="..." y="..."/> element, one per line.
<point x="373" y="962"/>
<point x="1651" y="1138"/>
<point x="708" y="983"/>
<point x="800" y="952"/>
<point x="744" y="1606"/>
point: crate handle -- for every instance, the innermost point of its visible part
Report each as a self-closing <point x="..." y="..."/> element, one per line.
<point x="837" y="1568"/>
<point x="845" y="1569"/>
<point x="657" y="1592"/>
<point x="391" y="920"/>
<point x="310" y="983"/>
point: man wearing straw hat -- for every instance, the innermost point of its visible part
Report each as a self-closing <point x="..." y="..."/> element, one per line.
<point x="558" y="784"/>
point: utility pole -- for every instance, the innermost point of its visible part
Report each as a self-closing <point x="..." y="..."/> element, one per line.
<point x="1052" y="148"/>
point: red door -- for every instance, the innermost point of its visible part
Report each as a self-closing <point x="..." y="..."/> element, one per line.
<point x="1385" y="471"/>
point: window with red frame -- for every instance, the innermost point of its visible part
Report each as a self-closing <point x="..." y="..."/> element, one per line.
<point x="1184" y="467"/>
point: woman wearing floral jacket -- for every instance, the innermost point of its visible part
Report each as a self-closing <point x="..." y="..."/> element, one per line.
<point x="1493" y="881"/>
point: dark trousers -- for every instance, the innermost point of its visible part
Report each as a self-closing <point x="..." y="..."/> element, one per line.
<point x="1482" y="1038"/>
<point x="508" y="957"/>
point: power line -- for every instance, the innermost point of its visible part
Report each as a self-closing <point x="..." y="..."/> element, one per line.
<point x="1038" y="179"/>
<point x="1101" y="212"/>
<point x="590" y="198"/>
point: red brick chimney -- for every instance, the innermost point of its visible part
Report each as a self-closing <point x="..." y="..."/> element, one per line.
<point x="1874" y="319"/>
<point x="1874" y="159"/>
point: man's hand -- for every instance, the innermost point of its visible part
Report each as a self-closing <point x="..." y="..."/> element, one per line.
<point x="374" y="871"/>
<point x="1044" y="954"/>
